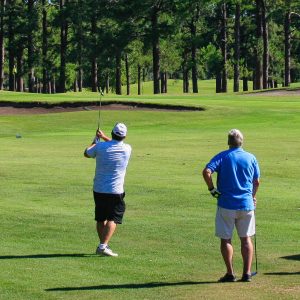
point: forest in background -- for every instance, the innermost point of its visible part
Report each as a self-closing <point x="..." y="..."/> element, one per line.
<point x="57" y="46"/>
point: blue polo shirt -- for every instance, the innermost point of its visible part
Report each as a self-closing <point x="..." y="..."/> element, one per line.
<point x="111" y="162"/>
<point x="237" y="169"/>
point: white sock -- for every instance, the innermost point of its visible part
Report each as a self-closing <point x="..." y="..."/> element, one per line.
<point x="102" y="246"/>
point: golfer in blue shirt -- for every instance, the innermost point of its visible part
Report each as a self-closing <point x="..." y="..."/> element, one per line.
<point x="112" y="157"/>
<point x="237" y="183"/>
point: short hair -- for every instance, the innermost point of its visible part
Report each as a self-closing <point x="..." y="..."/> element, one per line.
<point x="235" y="138"/>
<point x="116" y="137"/>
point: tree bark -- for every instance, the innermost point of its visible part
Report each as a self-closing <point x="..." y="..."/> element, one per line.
<point x="44" y="46"/>
<point x="265" y="45"/>
<point x="193" y="56"/>
<point x="224" y="47"/>
<point x="245" y="84"/>
<point x="287" y="48"/>
<point x="30" y="54"/>
<point x="185" y="72"/>
<point x="155" y="50"/>
<point x="107" y="83"/>
<point x="19" y="75"/>
<point x="219" y="88"/>
<point x="237" y="25"/>
<point x="127" y="75"/>
<point x="257" y="83"/>
<point x="94" y="69"/>
<point x="139" y="79"/>
<point x="63" y="46"/>
<point x="2" y="53"/>
<point x="11" y="54"/>
<point x="118" y="74"/>
<point x="80" y="78"/>
<point x="79" y="48"/>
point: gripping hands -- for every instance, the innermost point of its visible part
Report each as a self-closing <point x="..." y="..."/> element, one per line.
<point x="97" y="137"/>
<point x="214" y="192"/>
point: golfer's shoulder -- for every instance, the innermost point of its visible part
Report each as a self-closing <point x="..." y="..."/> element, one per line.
<point x="250" y="155"/>
<point x="127" y="147"/>
<point x="222" y="154"/>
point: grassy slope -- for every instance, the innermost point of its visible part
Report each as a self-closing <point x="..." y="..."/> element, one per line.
<point x="166" y="245"/>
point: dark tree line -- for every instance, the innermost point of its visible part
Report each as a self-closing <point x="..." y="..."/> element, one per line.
<point x="60" y="45"/>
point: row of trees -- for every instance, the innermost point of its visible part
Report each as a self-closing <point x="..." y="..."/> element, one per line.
<point x="54" y="46"/>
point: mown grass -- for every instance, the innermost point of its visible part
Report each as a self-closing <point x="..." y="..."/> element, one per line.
<point x="174" y="95"/>
<point x="166" y="245"/>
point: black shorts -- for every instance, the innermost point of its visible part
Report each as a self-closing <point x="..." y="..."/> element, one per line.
<point x="109" y="207"/>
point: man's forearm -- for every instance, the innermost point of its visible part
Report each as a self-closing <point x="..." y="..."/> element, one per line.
<point x="255" y="187"/>
<point x="208" y="178"/>
<point x="85" y="151"/>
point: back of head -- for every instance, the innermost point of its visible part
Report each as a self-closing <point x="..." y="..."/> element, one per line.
<point x="235" y="138"/>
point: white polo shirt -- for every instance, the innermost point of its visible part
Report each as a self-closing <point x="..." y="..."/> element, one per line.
<point x="111" y="162"/>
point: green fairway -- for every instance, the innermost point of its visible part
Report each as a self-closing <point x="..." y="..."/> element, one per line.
<point x="166" y="246"/>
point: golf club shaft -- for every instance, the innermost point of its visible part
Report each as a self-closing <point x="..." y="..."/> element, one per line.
<point x="255" y="252"/>
<point x="99" y="111"/>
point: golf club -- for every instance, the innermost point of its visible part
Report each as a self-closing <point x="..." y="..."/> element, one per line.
<point x="99" y="111"/>
<point x="254" y="273"/>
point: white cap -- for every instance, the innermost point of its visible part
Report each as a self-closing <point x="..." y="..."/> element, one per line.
<point x="120" y="130"/>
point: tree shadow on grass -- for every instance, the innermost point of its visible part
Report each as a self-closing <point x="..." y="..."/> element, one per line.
<point x="45" y="256"/>
<point x="289" y="257"/>
<point x="147" y="285"/>
<point x="283" y="273"/>
<point x="292" y="257"/>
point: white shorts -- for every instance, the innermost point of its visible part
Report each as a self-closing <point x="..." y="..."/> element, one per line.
<point x="226" y="219"/>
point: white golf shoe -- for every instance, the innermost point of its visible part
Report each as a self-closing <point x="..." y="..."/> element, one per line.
<point x="106" y="252"/>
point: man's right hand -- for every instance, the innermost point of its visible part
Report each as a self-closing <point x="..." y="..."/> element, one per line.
<point x="214" y="192"/>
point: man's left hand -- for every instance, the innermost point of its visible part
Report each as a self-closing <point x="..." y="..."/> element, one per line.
<point x="215" y="193"/>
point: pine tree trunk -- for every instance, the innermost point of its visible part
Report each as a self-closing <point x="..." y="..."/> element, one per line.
<point x="162" y="82"/>
<point x="94" y="69"/>
<point x="257" y="83"/>
<point x="155" y="50"/>
<point x="80" y="46"/>
<point x="2" y="53"/>
<point x="63" y="47"/>
<point x="245" y="84"/>
<point x="11" y="54"/>
<point x="194" y="61"/>
<point x="118" y="74"/>
<point x="94" y="75"/>
<point x="185" y="80"/>
<point x="19" y="77"/>
<point x="219" y="82"/>
<point x="127" y="75"/>
<point x="30" y="54"/>
<point x="80" y="78"/>
<point x="107" y="83"/>
<point x="185" y="72"/>
<point x="224" y="47"/>
<point x="44" y="46"/>
<point x="265" y="45"/>
<point x="139" y="79"/>
<point x="287" y="48"/>
<point x="236" y="76"/>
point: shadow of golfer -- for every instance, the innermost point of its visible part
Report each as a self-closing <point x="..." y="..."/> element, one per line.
<point x="292" y="257"/>
<point x="45" y="256"/>
<point x="148" y="285"/>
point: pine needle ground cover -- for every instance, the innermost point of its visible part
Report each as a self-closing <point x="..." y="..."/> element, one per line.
<point x="166" y="246"/>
